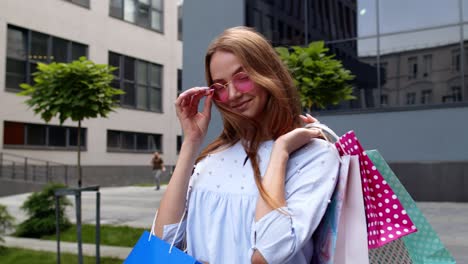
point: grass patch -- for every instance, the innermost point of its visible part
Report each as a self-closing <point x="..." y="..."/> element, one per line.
<point x="123" y="236"/>
<point x="26" y="256"/>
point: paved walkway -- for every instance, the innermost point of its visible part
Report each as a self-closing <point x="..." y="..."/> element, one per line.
<point x="135" y="206"/>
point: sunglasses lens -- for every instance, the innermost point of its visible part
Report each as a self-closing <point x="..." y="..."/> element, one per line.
<point x="242" y="82"/>
<point x="220" y="92"/>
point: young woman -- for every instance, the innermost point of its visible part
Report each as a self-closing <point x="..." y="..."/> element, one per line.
<point x="258" y="191"/>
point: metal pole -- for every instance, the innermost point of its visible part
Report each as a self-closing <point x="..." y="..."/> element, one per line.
<point x="462" y="50"/>
<point x="66" y="174"/>
<point x="98" y="227"/>
<point x="57" y="224"/>
<point x="379" y="88"/>
<point x="306" y="23"/>
<point x="78" y="225"/>
<point x="25" y="169"/>
<point x="47" y="172"/>
<point x="1" y="164"/>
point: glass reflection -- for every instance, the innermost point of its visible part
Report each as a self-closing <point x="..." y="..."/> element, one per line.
<point x="364" y="69"/>
<point x="402" y="15"/>
<point x="418" y="71"/>
<point x="416" y="60"/>
<point x="366" y="17"/>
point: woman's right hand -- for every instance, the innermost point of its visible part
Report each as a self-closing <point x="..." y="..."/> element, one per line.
<point x="194" y="124"/>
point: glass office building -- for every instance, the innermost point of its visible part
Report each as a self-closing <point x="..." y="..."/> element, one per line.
<point x="408" y="58"/>
<point x="403" y="54"/>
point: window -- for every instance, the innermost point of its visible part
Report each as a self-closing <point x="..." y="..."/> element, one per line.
<point x="412" y="67"/>
<point x="84" y="3"/>
<point x="43" y="136"/>
<point x="145" y="13"/>
<point x="124" y="141"/>
<point x="384" y="71"/>
<point x="456" y="60"/>
<point x="141" y="81"/>
<point x="411" y="98"/>
<point x="427" y="64"/>
<point x="26" y="48"/>
<point x="384" y="99"/>
<point x="455" y="95"/>
<point x="426" y="97"/>
<point x="179" y="82"/>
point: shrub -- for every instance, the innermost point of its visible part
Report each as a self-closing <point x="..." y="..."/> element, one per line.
<point x="321" y="79"/>
<point x="6" y="221"/>
<point x="40" y="207"/>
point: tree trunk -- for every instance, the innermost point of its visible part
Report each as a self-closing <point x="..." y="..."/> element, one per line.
<point x="79" y="154"/>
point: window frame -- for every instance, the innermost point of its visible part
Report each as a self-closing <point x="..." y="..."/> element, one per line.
<point x="150" y="88"/>
<point x="413" y="69"/>
<point x="121" y="149"/>
<point x="137" y="5"/>
<point x="87" y="6"/>
<point x="29" y="58"/>
<point x="46" y="145"/>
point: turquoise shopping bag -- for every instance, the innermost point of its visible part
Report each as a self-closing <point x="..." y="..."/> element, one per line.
<point x="422" y="247"/>
<point x="151" y="250"/>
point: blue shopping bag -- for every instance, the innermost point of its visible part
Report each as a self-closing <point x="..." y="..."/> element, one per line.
<point x="151" y="250"/>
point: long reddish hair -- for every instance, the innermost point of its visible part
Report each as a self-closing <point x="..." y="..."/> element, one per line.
<point x="267" y="71"/>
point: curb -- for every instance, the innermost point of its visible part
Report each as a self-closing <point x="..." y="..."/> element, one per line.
<point x="66" y="247"/>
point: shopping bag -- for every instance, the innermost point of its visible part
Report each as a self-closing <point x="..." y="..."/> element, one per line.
<point x="423" y="247"/>
<point x="341" y="236"/>
<point x="387" y="219"/>
<point x="325" y="234"/>
<point x="351" y="243"/>
<point x="151" y="250"/>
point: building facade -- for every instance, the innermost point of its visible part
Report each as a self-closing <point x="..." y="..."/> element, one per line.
<point x="140" y="37"/>
<point x="410" y="64"/>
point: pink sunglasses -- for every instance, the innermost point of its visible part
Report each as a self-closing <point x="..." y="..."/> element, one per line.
<point x="241" y="82"/>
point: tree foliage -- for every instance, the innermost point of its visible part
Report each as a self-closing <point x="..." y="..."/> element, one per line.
<point x="77" y="90"/>
<point x="40" y="208"/>
<point x="6" y="221"/>
<point x="320" y="78"/>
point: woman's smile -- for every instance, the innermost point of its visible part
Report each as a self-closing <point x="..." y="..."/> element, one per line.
<point x="241" y="106"/>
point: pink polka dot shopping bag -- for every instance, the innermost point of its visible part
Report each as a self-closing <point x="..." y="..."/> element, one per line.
<point x="387" y="220"/>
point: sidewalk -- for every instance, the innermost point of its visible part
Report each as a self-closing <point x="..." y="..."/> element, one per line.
<point x="135" y="206"/>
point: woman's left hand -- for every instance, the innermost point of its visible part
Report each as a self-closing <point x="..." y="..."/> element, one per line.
<point x="298" y="137"/>
<point x="308" y="119"/>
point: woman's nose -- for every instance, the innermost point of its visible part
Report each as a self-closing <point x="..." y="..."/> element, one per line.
<point x="233" y="92"/>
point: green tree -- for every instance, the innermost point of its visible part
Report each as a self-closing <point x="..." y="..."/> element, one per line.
<point x="76" y="90"/>
<point x="6" y="221"/>
<point x="320" y="78"/>
<point x="40" y="207"/>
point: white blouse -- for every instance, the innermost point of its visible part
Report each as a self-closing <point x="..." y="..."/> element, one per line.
<point x="220" y="226"/>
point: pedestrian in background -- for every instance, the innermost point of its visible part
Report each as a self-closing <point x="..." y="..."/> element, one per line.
<point x="158" y="168"/>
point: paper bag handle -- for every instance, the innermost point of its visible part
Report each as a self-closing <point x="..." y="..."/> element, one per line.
<point x="178" y="226"/>
<point x="336" y="138"/>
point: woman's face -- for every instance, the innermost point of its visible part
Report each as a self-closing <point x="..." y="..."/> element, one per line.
<point x="223" y="66"/>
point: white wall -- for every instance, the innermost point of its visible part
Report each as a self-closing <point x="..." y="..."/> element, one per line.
<point x="420" y="136"/>
<point x="95" y="28"/>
